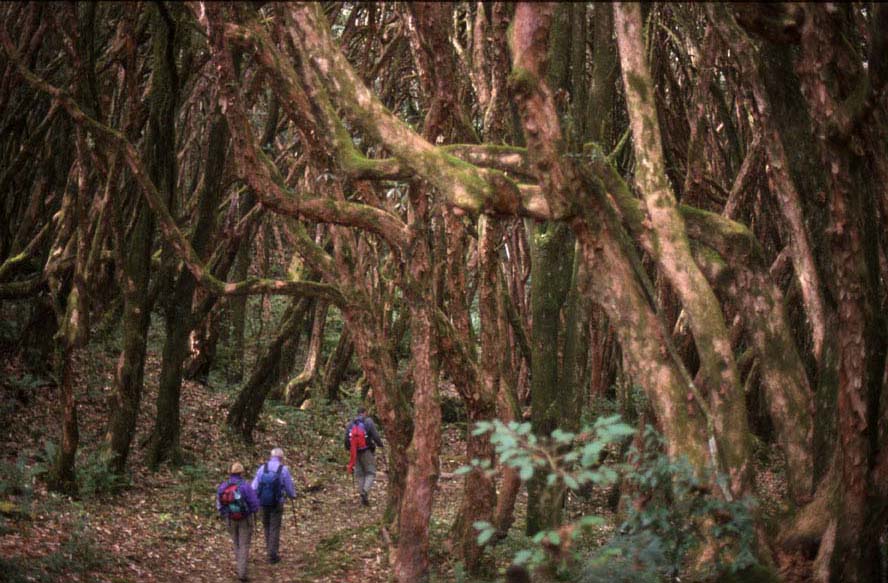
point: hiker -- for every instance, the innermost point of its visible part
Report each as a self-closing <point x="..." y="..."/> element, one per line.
<point x="361" y="439"/>
<point x="237" y="503"/>
<point x="272" y="482"/>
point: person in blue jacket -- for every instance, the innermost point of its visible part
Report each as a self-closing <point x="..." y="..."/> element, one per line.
<point x="273" y="482"/>
<point x="237" y="504"/>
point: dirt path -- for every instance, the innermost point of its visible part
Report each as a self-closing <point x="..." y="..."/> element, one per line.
<point x="164" y="528"/>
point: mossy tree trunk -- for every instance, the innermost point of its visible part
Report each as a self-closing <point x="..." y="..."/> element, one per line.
<point x="244" y="412"/>
<point x="552" y="283"/>
<point x="337" y="365"/>
<point x="551" y="279"/>
<point x="297" y="389"/>
<point x="671" y="250"/>
<point x="625" y="294"/>
<point x="839" y="92"/>
<point x="164" y="441"/>
<point x="136" y="272"/>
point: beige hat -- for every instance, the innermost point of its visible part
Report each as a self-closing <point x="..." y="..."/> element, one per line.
<point x="236" y="468"/>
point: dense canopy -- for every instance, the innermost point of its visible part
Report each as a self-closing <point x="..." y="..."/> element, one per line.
<point x="679" y="208"/>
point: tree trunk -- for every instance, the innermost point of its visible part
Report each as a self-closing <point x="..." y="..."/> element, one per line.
<point x="160" y="155"/>
<point x="830" y="70"/>
<point x="296" y="390"/>
<point x="411" y="563"/>
<point x="673" y="256"/>
<point x="747" y="285"/>
<point x="237" y="316"/>
<point x="62" y="477"/>
<point x="337" y="365"/>
<point x="244" y="412"/>
<point x="552" y="247"/>
<point x="551" y="281"/>
<point x="479" y="492"/>
<point x="412" y="555"/>
<point x="164" y="441"/>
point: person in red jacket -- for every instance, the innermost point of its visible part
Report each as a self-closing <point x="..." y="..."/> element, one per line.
<point x="362" y="452"/>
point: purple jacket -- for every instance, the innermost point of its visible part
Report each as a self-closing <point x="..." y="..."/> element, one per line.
<point x="287" y="486"/>
<point x="246" y="491"/>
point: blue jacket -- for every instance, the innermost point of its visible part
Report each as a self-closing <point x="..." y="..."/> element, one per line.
<point x="287" y="486"/>
<point x="246" y="491"/>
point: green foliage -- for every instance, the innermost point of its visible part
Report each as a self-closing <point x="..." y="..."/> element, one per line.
<point x="95" y="478"/>
<point x="192" y="489"/>
<point x="45" y="458"/>
<point x="16" y="491"/>
<point x="672" y="514"/>
<point x="26" y="382"/>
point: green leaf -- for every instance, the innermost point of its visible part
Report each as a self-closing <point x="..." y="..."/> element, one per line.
<point x="562" y="436"/>
<point x="526" y="472"/>
<point x="589" y="521"/>
<point x="485" y="536"/>
<point x="522" y="557"/>
<point x="570" y="482"/>
<point x="481" y="428"/>
<point x="462" y="470"/>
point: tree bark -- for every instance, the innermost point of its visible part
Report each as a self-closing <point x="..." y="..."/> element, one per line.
<point x="337" y="364"/>
<point x="244" y="412"/>
<point x="830" y="70"/>
<point x="296" y="390"/>
<point x="164" y="441"/>
<point x="412" y="555"/>
<point x="673" y="256"/>
<point x="622" y="292"/>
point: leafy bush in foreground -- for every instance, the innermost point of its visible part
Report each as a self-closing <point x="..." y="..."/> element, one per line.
<point x="671" y="519"/>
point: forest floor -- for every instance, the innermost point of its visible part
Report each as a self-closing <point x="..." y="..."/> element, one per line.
<point x="163" y="526"/>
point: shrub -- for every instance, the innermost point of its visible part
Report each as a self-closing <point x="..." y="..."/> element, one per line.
<point x="671" y="516"/>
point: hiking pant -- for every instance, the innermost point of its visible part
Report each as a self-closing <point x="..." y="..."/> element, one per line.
<point x="271" y="523"/>
<point x="365" y="470"/>
<point x="241" y="532"/>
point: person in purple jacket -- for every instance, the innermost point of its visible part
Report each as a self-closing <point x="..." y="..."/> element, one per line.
<point x="237" y="506"/>
<point x="272" y="483"/>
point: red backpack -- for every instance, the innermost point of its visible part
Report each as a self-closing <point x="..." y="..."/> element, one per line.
<point x="357" y="442"/>
<point x="357" y="437"/>
<point x="232" y="502"/>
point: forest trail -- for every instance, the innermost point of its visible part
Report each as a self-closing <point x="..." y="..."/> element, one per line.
<point x="164" y="527"/>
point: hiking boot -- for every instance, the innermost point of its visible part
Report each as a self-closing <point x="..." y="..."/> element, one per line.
<point x="364" y="500"/>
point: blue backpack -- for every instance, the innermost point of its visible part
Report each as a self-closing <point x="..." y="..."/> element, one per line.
<point x="270" y="487"/>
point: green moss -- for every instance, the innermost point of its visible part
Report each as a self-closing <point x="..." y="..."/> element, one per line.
<point x="522" y="80"/>
<point x="638" y="84"/>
